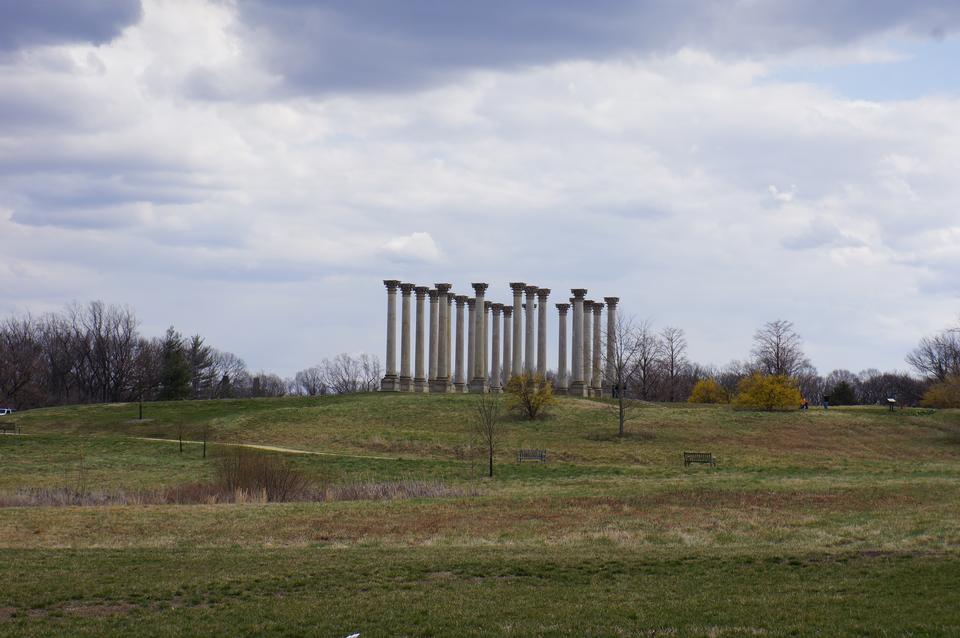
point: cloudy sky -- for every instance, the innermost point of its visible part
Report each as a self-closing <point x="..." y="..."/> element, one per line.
<point x="251" y="170"/>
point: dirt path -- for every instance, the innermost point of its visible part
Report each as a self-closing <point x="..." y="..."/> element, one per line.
<point x="271" y="448"/>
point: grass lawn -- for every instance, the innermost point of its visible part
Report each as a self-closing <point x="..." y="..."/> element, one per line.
<point x="845" y="522"/>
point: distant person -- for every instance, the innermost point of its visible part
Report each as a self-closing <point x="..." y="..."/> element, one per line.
<point x="805" y="405"/>
<point x="826" y="403"/>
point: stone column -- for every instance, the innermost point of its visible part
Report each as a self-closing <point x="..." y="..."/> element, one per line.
<point x="471" y="340"/>
<point x="449" y="348"/>
<point x="528" y="351"/>
<point x="390" y="382"/>
<point x="442" y="381"/>
<point x="406" y="381"/>
<point x="577" y="386"/>
<point x="419" y="374"/>
<point x="487" y="306"/>
<point x="587" y="344"/>
<point x="597" y="384"/>
<point x="542" y="295"/>
<point x="562" y="381"/>
<point x="434" y="325"/>
<point x="479" y="381"/>
<point x="611" y="372"/>
<point x="516" y="367"/>
<point x="495" y="379"/>
<point x="458" y="381"/>
<point x="507" y="345"/>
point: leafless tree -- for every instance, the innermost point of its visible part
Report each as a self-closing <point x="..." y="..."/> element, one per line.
<point x="646" y="374"/>
<point x="938" y="357"/>
<point x="487" y="425"/>
<point x="778" y="349"/>
<point x="673" y="358"/>
<point x="21" y="361"/>
<point x="311" y="381"/>
<point x="620" y="371"/>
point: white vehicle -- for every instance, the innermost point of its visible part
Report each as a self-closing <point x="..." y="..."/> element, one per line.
<point x="5" y="411"/>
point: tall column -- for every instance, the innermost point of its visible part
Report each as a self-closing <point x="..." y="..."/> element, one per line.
<point x="487" y="306"/>
<point x="419" y="374"/>
<point x="516" y="367"/>
<point x="471" y="340"/>
<point x="406" y="381"/>
<point x="442" y="381"/>
<point x="389" y="382"/>
<point x="542" y="295"/>
<point x="495" y="380"/>
<point x="587" y="345"/>
<point x="479" y="381"/>
<point x="507" y="371"/>
<point x="449" y="348"/>
<point x="458" y="379"/>
<point x="434" y="325"/>
<point x="597" y="385"/>
<point x="528" y="351"/>
<point x="562" y="381"/>
<point x="577" y="386"/>
<point x="611" y="372"/>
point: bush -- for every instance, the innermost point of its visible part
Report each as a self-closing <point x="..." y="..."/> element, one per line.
<point x="767" y="392"/>
<point x="258" y="475"/>
<point x="943" y="395"/>
<point x="708" y="391"/>
<point x="529" y="395"/>
<point x="843" y="394"/>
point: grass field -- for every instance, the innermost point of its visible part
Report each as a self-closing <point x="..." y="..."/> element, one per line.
<point x="845" y="522"/>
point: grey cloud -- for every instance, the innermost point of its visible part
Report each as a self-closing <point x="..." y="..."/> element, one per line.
<point x="820" y="233"/>
<point x="26" y="23"/>
<point x="378" y="45"/>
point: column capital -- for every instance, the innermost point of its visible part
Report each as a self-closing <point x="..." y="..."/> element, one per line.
<point x="517" y="286"/>
<point x="612" y="301"/>
<point x="597" y="307"/>
<point x="507" y="311"/>
<point x="479" y="288"/>
<point x="487" y="305"/>
<point x="406" y="289"/>
<point x="563" y="308"/>
<point x="578" y="293"/>
<point x="433" y="294"/>
<point x="443" y="288"/>
<point x="587" y="305"/>
<point x="497" y="308"/>
<point x="460" y="299"/>
<point x="421" y="291"/>
<point x="471" y="302"/>
<point x="530" y="290"/>
<point x="543" y="293"/>
<point x="391" y="284"/>
<point x="450" y="296"/>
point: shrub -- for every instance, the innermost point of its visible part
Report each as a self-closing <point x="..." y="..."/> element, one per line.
<point x="943" y="395"/>
<point x="708" y="391"/>
<point x="243" y="471"/>
<point x="767" y="392"/>
<point x="529" y="395"/>
<point x="843" y="394"/>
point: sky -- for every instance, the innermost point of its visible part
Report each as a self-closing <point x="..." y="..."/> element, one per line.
<point x="252" y="170"/>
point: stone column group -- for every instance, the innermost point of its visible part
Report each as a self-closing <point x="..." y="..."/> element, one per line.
<point x="471" y="354"/>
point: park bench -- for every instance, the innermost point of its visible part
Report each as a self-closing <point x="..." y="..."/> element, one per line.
<point x="9" y="427"/>
<point x="531" y="455"/>
<point x="699" y="457"/>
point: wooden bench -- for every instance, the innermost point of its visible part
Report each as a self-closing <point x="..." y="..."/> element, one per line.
<point x="699" y="457"/>
<point x="531" y="455"/>
<point x="9" y="427"/>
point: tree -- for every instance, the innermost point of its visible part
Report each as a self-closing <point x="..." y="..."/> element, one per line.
<point x="945" y="394"/>
<point x="646" y="374"/>
<point x="673" y="358"/>
<point x="938" y="357"/>
<point x="529" y="395"/>
<point x="778" y="349"/>
<point x="708" y="391"/>
<point x="487" y="425"/>
<point x="620" y="371"/>
<point x="767" y="392"/>
<point x="200" y="358"/>
<point x="843" y="394"/>
<point x="175" y="371"/>
<point x="311" y="382"/>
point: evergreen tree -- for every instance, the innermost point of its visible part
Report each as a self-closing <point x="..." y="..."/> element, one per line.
<point x="200" y="358"/>
<point x="175" y="373"/>
<point x="843" y="394"/>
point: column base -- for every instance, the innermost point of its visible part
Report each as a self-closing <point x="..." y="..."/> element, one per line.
<point x="460" y="388"/>
<point x="420" y="385"/>
<point x="561" y="390"/>
<point x="406" y="384"/>
<point x="577" y="389"/>
<point x="495" y="389"/>
<point x="440" y="385"/>
<point x="479" y="386"/>
<point x="390" y="383"/>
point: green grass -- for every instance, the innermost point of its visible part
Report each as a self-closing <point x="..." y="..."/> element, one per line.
<point x="845" y="522"/>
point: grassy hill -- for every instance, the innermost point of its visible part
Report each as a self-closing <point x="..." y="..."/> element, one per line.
<point x="845" y="521"/>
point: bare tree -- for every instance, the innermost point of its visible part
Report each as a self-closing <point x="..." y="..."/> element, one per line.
<point x="673" y="358"/>
<point x="646" y="374"/>
<point x="778" y="349"/>
<point x="311" y="381"/>
<point x="487" y="425"/>
<point x="938" y="357"/>
<point x="628" y="346"/>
